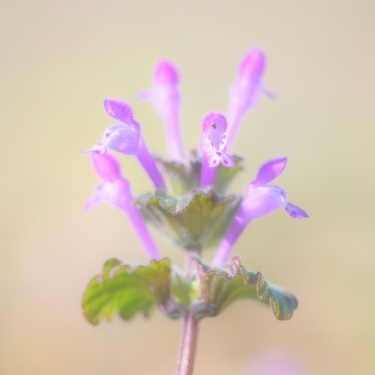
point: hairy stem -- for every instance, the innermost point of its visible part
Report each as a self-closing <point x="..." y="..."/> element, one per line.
<point x="186" y="355"/>
<point x="188" y="342"/>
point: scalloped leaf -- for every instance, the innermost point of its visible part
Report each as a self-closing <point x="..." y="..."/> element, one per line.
<point x="181" y="177"/>
<point x="194" y="220"/>
<point x="128" y="290"/>
<point x="221" y="287"/>
<point x="224" y="176"/>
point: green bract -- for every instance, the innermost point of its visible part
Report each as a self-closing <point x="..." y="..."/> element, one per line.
<point x="183" y="177"/>
<point x="224" y="176"/>
<point x="194" y="220"/>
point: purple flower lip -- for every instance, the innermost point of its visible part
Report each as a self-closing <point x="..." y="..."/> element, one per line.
<point x="119" y="110"/>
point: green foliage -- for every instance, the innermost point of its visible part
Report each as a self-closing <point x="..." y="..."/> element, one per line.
<point x="127" y="290"/>
<point x="194" y="220"/>
<point x="221" y="287"/>
<point x="131" y="290"/>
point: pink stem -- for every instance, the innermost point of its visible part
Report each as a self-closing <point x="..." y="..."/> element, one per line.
<point x="186" y="356"/>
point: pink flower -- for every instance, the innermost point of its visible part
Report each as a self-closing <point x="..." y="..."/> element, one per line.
<point x="246" y="91"/>
<point x="115" y="190"/>
<point x="212" y="144"/>
<point x="125" y="137"/>
<point x="166" y="100"/>
<point x="274" y="362"/>
<point x="261" y="199"/>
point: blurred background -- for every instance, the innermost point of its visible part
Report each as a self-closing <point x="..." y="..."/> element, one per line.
<point x="59" y="59"/>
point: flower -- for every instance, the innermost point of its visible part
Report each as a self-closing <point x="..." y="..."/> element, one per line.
<point x="166" y="100"/>
<point x="218" y="132"/>
<point x="115" y="190"/>
<point x="244" y="94"/>
<point x="212" y="145"/>
<point x="275" y="362"/>
<point x="246" y="91"/>
<point x="125" y="137"/>
<point x="261" y="199"/>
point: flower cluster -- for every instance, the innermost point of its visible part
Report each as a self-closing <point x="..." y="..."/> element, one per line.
<point x="190" y="208"/>
<point x="218" y="133"/>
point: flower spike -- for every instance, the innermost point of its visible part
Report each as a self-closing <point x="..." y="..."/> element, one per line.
<point x="166" y="100"/>
<point x="260" y="199"/>
<point x="126" y="137"/>
<point x="245" y="92"/>
<point x="212" y="144"/>
<point x="115" y="190"/>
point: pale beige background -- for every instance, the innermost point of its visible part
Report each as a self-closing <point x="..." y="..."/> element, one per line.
<point x="59" y="59"/>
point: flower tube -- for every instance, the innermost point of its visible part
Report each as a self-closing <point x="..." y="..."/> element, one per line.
<point x="166" y="100"/>
<point x="245" y="92"/>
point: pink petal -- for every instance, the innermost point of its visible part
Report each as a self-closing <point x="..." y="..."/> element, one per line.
<point x="100" y="148"/>
<point x="96" y="198"/>
<point x="227" y="160"/>
<point x="246" y="90"/>
<point x="295" y="212"/>
<point x="106" y="166"/>
<point x="262" y="200"/>
<point x="119" y="194"/>
<point x="213" y="160"/>
<point x="119" y="110"/>
<point x="166" y="73"/>
<point x="205" y="145"/>
<point x="253" y="65"/>
<point x="166" y="100"/>
<point x="215" y="121"/>
<point x="269" y="171"/>
<point x="123" y="138"/>
<point x="115" y="192"/>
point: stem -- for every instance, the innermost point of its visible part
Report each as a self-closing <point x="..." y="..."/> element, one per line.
<point x="186" y="355"/>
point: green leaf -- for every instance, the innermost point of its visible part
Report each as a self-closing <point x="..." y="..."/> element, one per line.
<point x="193" y="220"/>
<point x="224" y="176"/>
<point x="221" y="287"/>
<point x="129" y="290"/>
